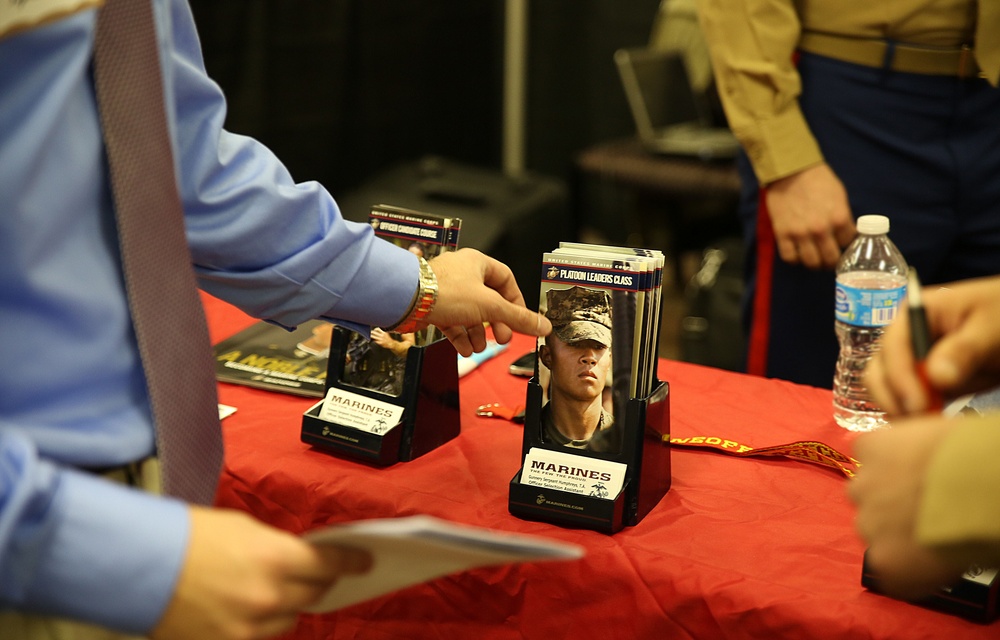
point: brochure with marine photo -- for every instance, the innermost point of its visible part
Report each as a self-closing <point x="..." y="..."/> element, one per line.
<point x="607" y="298"/>
<point x="587" y="366"/>
<point x="378" y="363"/>
<point x="650" y="263"/>
<point x="594" y="450"/>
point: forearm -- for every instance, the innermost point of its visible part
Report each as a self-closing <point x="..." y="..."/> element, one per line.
<point x="752" y="45"/>
<point x="960" y="509"/>
<point x="74" y="545"/>
<point x="278" y="249"/>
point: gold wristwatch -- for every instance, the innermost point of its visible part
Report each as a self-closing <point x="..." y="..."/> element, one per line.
<point x="423" y="301"/>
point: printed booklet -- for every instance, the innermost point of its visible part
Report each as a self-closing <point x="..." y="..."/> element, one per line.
<point x="415" y="549"/>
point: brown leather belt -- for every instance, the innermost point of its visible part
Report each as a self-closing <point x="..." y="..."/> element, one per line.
<point x="906" y="58"/>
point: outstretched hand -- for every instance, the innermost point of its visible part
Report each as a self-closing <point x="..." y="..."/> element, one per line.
<point x="473" y="289"/>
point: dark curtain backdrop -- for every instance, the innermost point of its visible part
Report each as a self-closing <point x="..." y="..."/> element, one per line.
<point x="342" y="89"/>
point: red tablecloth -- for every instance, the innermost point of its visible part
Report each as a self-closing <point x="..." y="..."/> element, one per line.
<point x="738" y="548"/>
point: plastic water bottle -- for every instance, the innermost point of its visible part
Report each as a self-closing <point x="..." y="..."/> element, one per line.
<point x="871" y="284"/>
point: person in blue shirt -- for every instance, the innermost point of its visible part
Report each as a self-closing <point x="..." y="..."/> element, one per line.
<point x="72" y="394"/>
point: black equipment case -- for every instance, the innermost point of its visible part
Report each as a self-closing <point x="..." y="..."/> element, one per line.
<point x="514" y="219"/>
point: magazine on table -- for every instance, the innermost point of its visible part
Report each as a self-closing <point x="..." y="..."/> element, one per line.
<point x="270" y="357"/>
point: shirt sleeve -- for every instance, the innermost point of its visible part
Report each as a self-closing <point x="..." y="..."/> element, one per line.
<point x="960" y="509"/>
<point x="278" y="249"/>
<point x="752" y="46"/>
<point x="75" y="545"/>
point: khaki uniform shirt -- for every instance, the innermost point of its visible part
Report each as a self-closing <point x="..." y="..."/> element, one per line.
<point x="752" y="43"/>
<point x="960" y="510"/>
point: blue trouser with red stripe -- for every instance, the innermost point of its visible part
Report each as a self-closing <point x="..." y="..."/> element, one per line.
<point x="922" y="150"/>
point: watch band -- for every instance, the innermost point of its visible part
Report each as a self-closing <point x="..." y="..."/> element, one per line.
<point x="424" y="301"/>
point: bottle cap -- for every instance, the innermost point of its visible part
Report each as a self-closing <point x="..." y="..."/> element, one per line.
<point x="873" y="225"/>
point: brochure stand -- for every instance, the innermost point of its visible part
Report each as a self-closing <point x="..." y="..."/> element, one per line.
<point x="429" y="400"/>
<point x="645" y="450"/>
<point x="973" y="597"/>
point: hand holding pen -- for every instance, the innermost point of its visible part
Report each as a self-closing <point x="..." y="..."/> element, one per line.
<point x="920" y="340"/>
<point x="950" y="346"/>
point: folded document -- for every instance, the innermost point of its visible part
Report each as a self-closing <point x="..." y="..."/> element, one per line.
<point x="415" y="549"/>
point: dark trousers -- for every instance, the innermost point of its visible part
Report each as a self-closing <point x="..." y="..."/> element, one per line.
<point x="922" y="150"/>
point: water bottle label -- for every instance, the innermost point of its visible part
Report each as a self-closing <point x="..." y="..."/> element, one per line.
<point x="867" y="307"/>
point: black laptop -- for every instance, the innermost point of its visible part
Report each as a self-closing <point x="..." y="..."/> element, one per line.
<point x="670" y="118"/>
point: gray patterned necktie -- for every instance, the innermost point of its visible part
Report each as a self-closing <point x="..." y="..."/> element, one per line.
<point x="167" y="315"/>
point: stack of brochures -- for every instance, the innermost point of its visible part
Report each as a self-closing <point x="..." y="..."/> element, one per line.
<point x="604" y="305"/>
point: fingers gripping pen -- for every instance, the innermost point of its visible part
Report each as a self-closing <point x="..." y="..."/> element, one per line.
<point x="920" y="338"/>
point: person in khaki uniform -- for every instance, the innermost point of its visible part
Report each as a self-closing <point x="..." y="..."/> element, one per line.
<point x="928" y="491"/>
<point x="845" y="108"/>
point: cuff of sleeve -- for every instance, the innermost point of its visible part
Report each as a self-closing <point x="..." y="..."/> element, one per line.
<point x="383" y="296"/>
<point x="780" y="145"/>
<point x="958" y="513"/>
<point x="114" y="556"/>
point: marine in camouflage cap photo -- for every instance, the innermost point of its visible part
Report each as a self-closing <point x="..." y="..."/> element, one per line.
<point x="579" y="314"/>
<point x="578" y="357"/>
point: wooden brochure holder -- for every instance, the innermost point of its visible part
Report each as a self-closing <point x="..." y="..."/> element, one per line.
<point x="429" y="399"/>
<point x="645" y="450"/>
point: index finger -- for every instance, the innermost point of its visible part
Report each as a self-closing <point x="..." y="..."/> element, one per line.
<point x="511" y="314"/>
<point x="895" y="384"/>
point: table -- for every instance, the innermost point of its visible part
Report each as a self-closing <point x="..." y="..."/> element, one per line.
<point x="738" y="548"/>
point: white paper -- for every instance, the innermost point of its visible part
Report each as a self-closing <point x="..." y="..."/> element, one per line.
<point x="573" y="473"/>
<point x="981" y="575"/>
<point x="225" y="411"/>
<point x="415" y="549"/>
<point x="360" y="412"/>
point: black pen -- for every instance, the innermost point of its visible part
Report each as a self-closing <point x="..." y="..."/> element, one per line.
<point x="920" y="338"/>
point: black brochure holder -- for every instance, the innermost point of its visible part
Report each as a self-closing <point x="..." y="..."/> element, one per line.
<point x="645" y="451"/>
<point x="429" y="398"/>
<point x="974" y="597"/>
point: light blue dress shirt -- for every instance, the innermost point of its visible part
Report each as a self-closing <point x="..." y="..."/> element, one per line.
<point x="72" y="393"/>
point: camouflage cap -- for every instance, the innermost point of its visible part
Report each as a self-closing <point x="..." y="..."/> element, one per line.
<point x="579" y="314"/>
